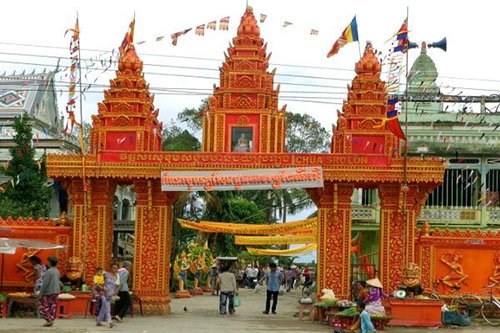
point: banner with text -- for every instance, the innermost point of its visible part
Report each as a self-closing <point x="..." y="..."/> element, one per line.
<point x="230" y="180"/>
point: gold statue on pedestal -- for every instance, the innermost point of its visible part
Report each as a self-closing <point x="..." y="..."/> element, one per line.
<point x="181" y="267"/>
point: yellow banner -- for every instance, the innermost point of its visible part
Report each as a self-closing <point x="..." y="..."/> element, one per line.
<point x="290" y="252"/>
<point x="298" y="227"/>
<point x="277" y="240"/>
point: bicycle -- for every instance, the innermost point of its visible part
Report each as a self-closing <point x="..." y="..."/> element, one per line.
<point x="471" y="303"/>
<point x="490" y="310"/>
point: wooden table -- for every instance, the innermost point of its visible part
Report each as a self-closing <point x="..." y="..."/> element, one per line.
<point x="415" y="312"/>
<point x="23" y="300"/>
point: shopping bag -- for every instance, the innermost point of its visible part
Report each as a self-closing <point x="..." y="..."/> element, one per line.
<point x="257" y="288"/>
<point x="236" y="301"/>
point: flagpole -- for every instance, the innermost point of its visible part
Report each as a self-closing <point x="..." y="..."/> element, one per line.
<point x="359" y="48"/>
<point x="82" y="152"/>
<point x="405" y="160"/>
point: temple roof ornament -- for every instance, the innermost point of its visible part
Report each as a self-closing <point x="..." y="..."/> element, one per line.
<point x="127" y="118"/>
<point x="423" y="74"/>
<point x="358" y="127"/>
<point x="369" y="64"/>
<point x="242" y="114"/>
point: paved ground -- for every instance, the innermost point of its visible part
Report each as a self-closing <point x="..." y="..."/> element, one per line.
<point x="203" y="317"/>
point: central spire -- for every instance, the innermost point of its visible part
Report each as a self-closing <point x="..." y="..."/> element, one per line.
<point x="242" y="114"/>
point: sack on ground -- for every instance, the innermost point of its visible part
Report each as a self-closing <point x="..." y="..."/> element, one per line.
<point x="455" y="318"/>
<point x="236" y="301"/>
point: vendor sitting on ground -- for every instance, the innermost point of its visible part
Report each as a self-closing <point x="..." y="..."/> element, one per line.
<point x="374" y="300"/>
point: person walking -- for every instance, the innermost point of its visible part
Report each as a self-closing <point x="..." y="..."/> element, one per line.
<point x="37" y="275"/>
<point x="228" y="289"/>
<point x="111" y="281"/>
<point x="49" y="291"/>
<point x="273" y="280"/>
<point x="123" y="304"/>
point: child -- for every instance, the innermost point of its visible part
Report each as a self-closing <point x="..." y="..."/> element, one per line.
<point x="98" y="286"/>
<point x="98" y="279"/>
<point x="366" y="323"/>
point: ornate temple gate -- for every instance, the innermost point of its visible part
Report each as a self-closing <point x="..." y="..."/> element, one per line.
<point x="243" y="129"/>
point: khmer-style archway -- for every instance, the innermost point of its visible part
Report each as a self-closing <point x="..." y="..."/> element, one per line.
<point x="126" y="147"/>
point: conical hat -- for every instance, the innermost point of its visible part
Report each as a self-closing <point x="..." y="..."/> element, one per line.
<point x="374" y="283"/>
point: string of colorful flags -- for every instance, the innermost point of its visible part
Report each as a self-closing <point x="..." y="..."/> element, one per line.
<point x="74" y="48"/>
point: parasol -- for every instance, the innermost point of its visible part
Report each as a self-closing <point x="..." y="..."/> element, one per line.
<point x="10" y="245"/>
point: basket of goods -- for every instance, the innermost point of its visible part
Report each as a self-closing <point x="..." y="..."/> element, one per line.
<point x="66" y="296"/>
<point x="19" y="295"/>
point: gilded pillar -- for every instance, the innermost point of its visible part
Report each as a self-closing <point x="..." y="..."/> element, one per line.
<point x="153" y="229"/>
<point x="100" y="223"/>
<point x="398" y="221"/>
<point x="334" y="237"/>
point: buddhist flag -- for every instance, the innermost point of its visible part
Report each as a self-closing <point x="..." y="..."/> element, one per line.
<point x="391" y="119"/>
<point x="262" y="18"/>
<point x="402" y="38"/>
<point x="175" y="36"/>
<point x="129" y="37"/>
<point x="224" y="23"/>
<point x="350" y="34"/>
<point x="212" y="25"/>
<point x="200" y="30"/>
<point x="314" y="32"/>
<point x="286" y="24"/>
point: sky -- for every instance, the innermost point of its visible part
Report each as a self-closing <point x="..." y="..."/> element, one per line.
<point x="300" y="59"/>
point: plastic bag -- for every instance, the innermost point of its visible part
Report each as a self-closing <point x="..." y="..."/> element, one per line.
<point x="236" y="301"/>
<point x="257" y="288"/>
<point x="455" y="318"/>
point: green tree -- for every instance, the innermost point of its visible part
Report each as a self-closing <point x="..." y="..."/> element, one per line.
<point x="177" y="139"/>
<point x="235" y="209"/>
<point x="304" y="134"/>
<point x="29" y="195"/>
<point x="192" y="117"/>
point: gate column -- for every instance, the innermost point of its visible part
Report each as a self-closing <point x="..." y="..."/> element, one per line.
<point x="153" y="236"/>
<point x="397" y="233"/>
<point x="334" y="237"/>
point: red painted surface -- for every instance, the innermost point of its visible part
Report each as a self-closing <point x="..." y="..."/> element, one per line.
<point x="415" y="312"/>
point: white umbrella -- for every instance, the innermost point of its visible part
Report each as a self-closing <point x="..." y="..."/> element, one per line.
<point x="9" y="246"/>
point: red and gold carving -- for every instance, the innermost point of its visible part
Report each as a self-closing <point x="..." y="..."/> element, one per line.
<point x="246" y="87"/>
<point x="467" y="258"/>
<point x="334" y="237"/>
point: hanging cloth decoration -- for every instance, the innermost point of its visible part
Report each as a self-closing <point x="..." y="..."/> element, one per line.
<point x="302" y="227"/>
<point x="392" y="120"/>
<point x="74" y="49"/>
<point x="289" y="252"/>
<point x="275" y="240"/>
<point x="224" y="23"/>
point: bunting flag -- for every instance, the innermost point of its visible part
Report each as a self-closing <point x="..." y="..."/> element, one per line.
<point x="74" y="48"/>
<point x="158" y="39"/>
<point x="200" y="30"/>
<point x="402" y="38"/>
<point x="350" y="34"/>
<point x="212" y="25"/>
<point x="286" y="24"/>
<point x="298" y="227"/>
<point x="262" y="18"/>
<point x="275" y="240"/>
<point x="175" y="36"/>
<point x="392" y="120"/>
<point x="314" y="32"/>
<point x="289" y="252"/>
<point x="129" y="37"/>
<point x="224" y="23"/>
<point x="395" y="71"/>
